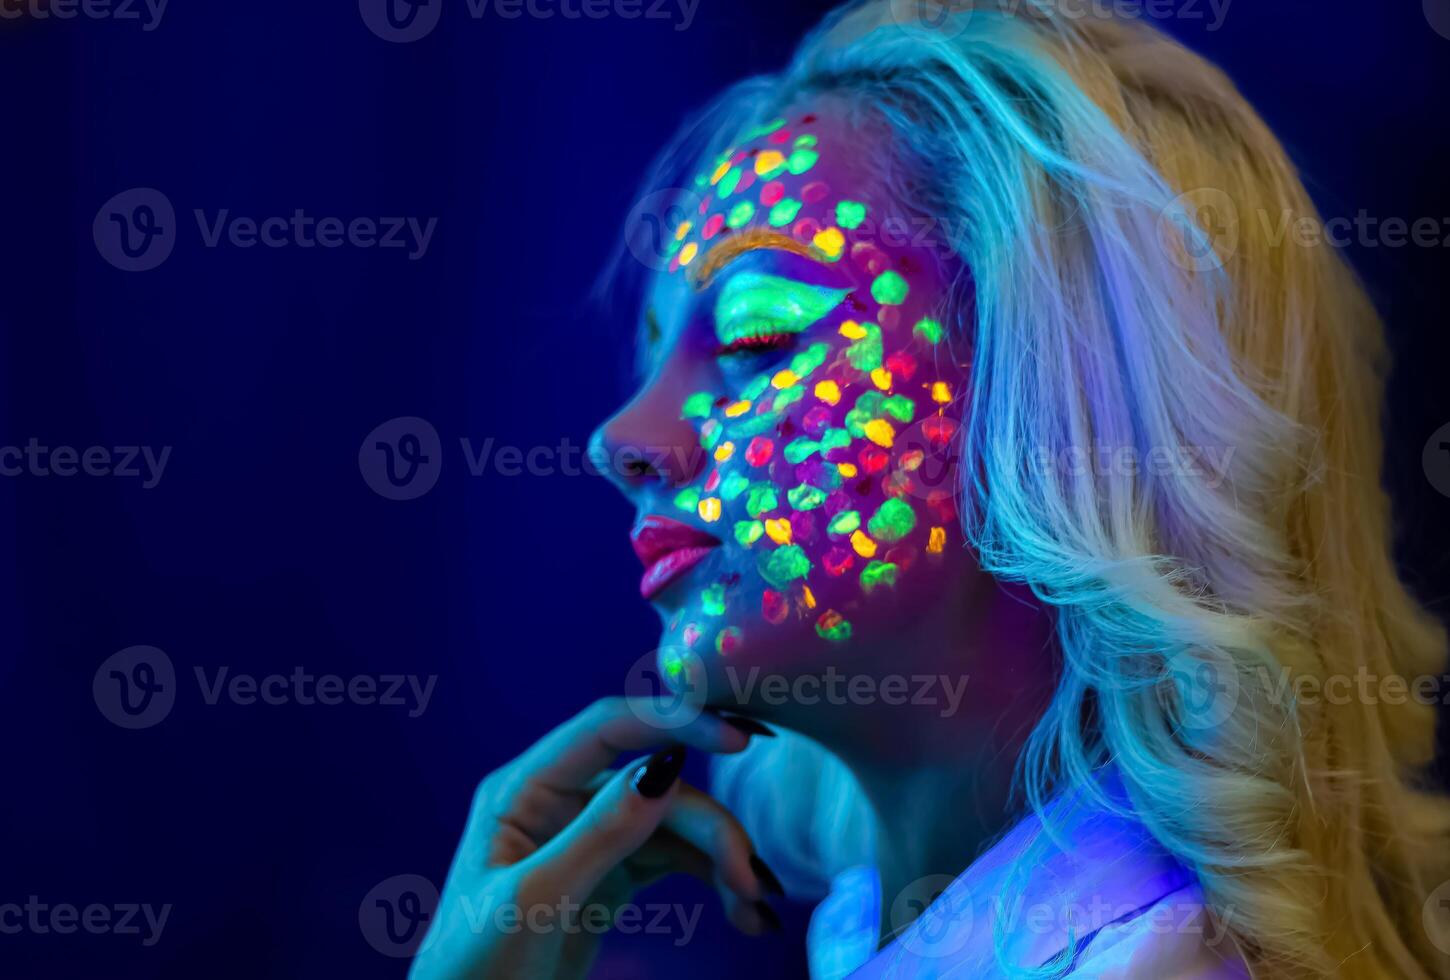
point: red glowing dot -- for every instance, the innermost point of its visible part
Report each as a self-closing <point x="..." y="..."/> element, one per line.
<point x="727" y="641"/>
<point x="939" y="429"/>
<point x="771" y="193"/>
<point x="780" y="136"/>
<point x="774" y="607"/>
<point x="901" y="365"/>
<point x="713" y="226"/>
<point x="838" y="561"/>
<point x="736" y="160"/>
<point x="759" y="451"/>
<point x="874" y="459"/>
<point x="712" y="482"/>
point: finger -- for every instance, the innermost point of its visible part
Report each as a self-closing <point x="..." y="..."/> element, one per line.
<point x="704" y="822"/>
<point x="573" y="753"/>
<point x="666" y="854"/>
<point x="614" y="825"/>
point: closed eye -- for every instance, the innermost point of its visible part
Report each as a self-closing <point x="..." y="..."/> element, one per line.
<point x="760" y="343"/>
<point x="754" y="309"/>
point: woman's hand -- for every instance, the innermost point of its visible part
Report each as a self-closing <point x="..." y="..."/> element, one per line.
<point x="554" y="836"/>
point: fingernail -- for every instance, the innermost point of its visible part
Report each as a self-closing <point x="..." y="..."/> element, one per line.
<point x="772" y="921"/>
<point x="767" y="877"/>
<point x="659" y="772"/>
<point x="747" y="725"/>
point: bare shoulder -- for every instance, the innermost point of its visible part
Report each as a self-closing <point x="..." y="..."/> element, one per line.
<point x="1174" y="937"/>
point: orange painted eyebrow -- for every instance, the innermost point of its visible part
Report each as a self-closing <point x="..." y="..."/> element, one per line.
<point x="731" y="248"/>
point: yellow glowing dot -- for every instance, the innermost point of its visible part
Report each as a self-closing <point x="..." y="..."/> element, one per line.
<point x="724" y="451"/>
<point x="682" y="231"/>
<point x="941" y="392"/>
<point x="779" y="530"/>
<point x="880" y="432"/>
<point x="881" y="378"/>
<point x="784" y="379"/>
<point x="720" y="171"/>
<point x="830" y="241"/>
<point x="808" y="596"/>
<point x="768" y="161"/>
<point x="852" y="330"/>
<point x="864" y="546"/>
<point x="847" y="470"/>
<point x="737" y="409"/>
<point x="937" y="540"/>
<point x="828" y="392"/>
<point x="710" y="510"/>
<point x="687" y="254"/>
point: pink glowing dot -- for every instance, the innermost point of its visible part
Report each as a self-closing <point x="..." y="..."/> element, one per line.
<point x="815" y="191"/>
<point x="692" y="633"/>
<point x="774" y="607"/>
<point x="838" y="561"/>
<point x="728" y="641"/>
<point x="675" y="263"/>
<point x="713" y="481"/>
<point x="771" y="193"/>
<point x="901" y="365"/>
<point x="816" y="420"/>
<point x="806" y="229"/>
<point x="747" y="179"/>
<point x="759" y="451"/>
<point x="705" y="202"/>
<point x="713" y="225"/>
<point x="780" y="136"/>
<point x="738" y="158"/>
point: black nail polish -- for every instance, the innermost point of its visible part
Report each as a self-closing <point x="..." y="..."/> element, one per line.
<point x="772" y="921"/>
<point x="659" y="772"/>
<point x="767" y="877"/>
<point x="747" y="725"/>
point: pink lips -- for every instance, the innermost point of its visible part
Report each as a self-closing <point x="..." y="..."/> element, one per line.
<point x="668" y="550"/>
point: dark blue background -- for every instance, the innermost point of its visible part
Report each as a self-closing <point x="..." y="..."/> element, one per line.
<point x="262" y="548"/>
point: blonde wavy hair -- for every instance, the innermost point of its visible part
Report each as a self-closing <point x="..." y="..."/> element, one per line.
<point x="1065" y="157"/>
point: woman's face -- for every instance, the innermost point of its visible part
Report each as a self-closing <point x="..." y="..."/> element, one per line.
<point x="793" y="453"/>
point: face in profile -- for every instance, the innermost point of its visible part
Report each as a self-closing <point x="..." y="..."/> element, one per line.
<point x="792" y="453"/>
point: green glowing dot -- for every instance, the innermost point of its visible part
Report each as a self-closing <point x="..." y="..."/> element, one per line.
<point x="688" y="499"/>
<point x="806" y="497"/>
<point x="789" y="397"/>
<point x="834" y="439"/>
<point x="798" y="450"/>
<point x="928" y="329"/>
<point x="712" y="600"/>
<point x="838" y="629"/>
<point x="856" y="421"/>
<point x="865" y="354"/>
<point x="809" y="359"/>
<point x="740" y="214"/>
<point x="784" y="565"/>
<point x="870" y="401"/>
<point x="899" y="407"/>
<point x="698" y="405"/>
<point x="761" y="500"/>
<point x="805" y="139"/>
<point x="877" y="574"/>
<point x="892" y="521"/>
<point x="784" y="212"/>
<point x="748" y="532"/>
<point x="733" y="486"/>
<point x="727" y="639"/>
<point x="801" y="160"/>
<point x="756" y="388"/>
<point x="845" y="522"/>
<point x="710" y="436"/>
<point x="674" y="246"/>
<point x="849" y="214"/>
<point x="763" y="130"/>
<point x="753" y="426"/>
<point x="889" y="289"/>
<point x="728" y="183"/>
<point x="673" y="664"/>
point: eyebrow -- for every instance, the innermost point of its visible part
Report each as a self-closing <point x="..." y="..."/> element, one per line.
<point x="733" y="247"/>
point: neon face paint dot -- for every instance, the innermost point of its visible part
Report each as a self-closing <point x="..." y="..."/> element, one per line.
<point x="911" y="461"/>
<point x="761" y="500"/>
<point x="784" y="565"/>
<point x="733" y="486"/>
<point x="712" y="226"/>
<point x="720" y="171"/>
<point x="847" y="470"/>
<point x="809" y="359"/>
<point x="865" y="354"/>
<point x="724" y="451"/>
<point x="830" y="241"/>
<point x="928" y="330"/>
<point x="805" y="497"/>
<point x="682" y="231"/>
<point x="846" y="522"/>
<point x="899" y="407"/>
<point x="698" y="405"/>
<point x="881" y="378"/>
<point x="712" y="600"/>
<point x="773" y="607"/>
<point x="799" y="450"/>
<point x="880" y="432"/>
<point x="784" y="379"/>
<point x="852" y="330"/>
<point x="849" y="214"/>
<point x="779" y="530"/>
<point x="892" y="521"/>
<point x="828" y="392"/>
<point x="782" y="214"/>
<point x="771" y="193"/>
<point x="710" y="510"/>
<point x="740" y="214"/>
<point x="727" y="641"/>
<point x="833" y="626"/>
<point x="691" y="634"/>
<point x="808" y="598"/>
<point x="749" y="532"/>
<point x="838" y="561"/>
<point x="877" y="574"/>
<point x="688" y="499"/>
<point x="767" y="163"/>
<point x="712" y="482"/>
<point x="737" y="409"/>
<point x="802" y="160"/>
<point x="862" y="545"/>
<point x="889" y="288"/>
<point x="687" y="254"/>
<point x="941" y="392"/>
<point x="729" y="182"/>
<point x="936" y="541"/>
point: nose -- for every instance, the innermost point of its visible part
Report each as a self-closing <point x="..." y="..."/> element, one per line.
<point x="648" y="444"/>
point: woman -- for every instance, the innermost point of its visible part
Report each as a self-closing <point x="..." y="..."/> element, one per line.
<point x="1029" y="513"/>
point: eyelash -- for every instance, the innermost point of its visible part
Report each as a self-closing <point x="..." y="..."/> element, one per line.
<point x="758" y="344"/>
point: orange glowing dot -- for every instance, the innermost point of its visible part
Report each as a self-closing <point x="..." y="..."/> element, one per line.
<point x="720" y="171"/>
<point x="779" y="530"/>
<point x="937" y="540"/>
<point x="847" y="470"/>
<point x="852" y="330"/>
<point x="830" y="241"/>
<point x="864" y="546"/>
<point x="687" y="254"/>
<point x="710" y="510"/>
<point x="808" y="596"/>
<point x="682" y="231"/>
<point x="784" y="379"/>
<point x="737" y="409"/>
<point x="941" y="392"/>
<point x="768" y="161"/>
<point x="724" y="451"/>
<point x="880" y="432"/>
<point x="881" y="378"/>
<point x="828" y="392"/>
